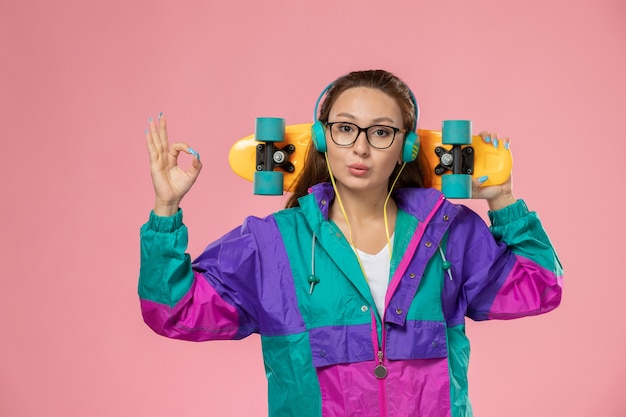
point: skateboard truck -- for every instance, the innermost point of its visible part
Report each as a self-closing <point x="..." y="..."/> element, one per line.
<point x="270" y="156"/>
<point x="457" y="160"/>
<point x="270" y="130"/>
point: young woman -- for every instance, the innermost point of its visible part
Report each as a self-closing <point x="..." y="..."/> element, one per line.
<point x="360" y="288"/>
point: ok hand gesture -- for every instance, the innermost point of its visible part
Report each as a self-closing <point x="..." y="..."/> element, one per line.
<point x="171" y="182"/>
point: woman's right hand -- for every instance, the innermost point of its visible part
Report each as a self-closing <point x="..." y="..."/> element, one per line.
<point x="171" y="182"/>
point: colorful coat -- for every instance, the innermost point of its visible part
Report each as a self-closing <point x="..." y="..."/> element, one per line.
<point x="326" y="350"/>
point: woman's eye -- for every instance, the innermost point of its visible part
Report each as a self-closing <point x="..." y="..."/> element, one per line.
<point x="381" y="132"/>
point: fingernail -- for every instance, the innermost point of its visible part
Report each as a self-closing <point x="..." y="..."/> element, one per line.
<point x="146" y="132"/>
<point x="483" y="179"/>
<point x="506" y="145"/>
<point x="150" y="119"/>
<point x="488" y="139"/>
<point x="495" y="143"/>
<point x="160" y="114"/>
<point x="194" y="153"/>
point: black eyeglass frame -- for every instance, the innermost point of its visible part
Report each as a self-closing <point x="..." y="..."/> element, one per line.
<point x="363" y="129"/>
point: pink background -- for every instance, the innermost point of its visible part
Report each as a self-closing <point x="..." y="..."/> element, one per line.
<point x="79" y="79"/>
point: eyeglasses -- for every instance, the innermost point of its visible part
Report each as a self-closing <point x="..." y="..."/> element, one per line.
<point x="378" y="136"/>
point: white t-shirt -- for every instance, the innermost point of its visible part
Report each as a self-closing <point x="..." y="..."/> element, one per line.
<point x="377" y="272"/>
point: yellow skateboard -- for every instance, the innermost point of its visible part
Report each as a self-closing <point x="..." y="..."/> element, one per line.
<point x="274" y="155"/>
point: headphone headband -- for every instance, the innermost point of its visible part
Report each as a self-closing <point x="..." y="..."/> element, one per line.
<point x="329" y="86"/>
<point x="411" y="141"/>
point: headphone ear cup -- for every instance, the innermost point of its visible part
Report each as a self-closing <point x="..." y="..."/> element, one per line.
<point x="411" y="147"/>
<point x="318" y="136"/>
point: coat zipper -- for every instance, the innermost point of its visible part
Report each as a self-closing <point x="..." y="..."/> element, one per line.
<point x="380" y="370"/>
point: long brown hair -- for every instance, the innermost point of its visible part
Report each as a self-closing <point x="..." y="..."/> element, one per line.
<point x="315" y="170"/>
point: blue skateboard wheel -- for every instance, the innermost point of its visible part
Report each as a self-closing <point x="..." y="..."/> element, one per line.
<point x="456" y="132"/>
<point x="457" y="185"/>
<point x="269" y="129"/>
<point x="268" y="183"/>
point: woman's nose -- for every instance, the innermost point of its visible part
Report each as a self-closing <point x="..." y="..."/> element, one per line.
<point x="361" y="146"/>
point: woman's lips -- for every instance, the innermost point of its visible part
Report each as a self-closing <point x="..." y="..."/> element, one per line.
<point x="358" y="169"/>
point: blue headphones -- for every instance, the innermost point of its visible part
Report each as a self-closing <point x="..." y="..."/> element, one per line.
<point x="411" y="141"/>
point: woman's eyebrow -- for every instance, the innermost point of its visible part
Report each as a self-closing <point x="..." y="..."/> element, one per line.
<point x="377" y="120"/>
<point x="383" y="119"/>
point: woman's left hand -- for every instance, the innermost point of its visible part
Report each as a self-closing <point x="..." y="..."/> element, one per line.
<point x="497" y="196"/>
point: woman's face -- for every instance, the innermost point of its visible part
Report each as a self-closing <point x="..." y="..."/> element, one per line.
<point x="362" y="167"/>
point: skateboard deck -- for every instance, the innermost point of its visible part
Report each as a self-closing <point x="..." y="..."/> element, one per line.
<point x="273" y="158"/>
